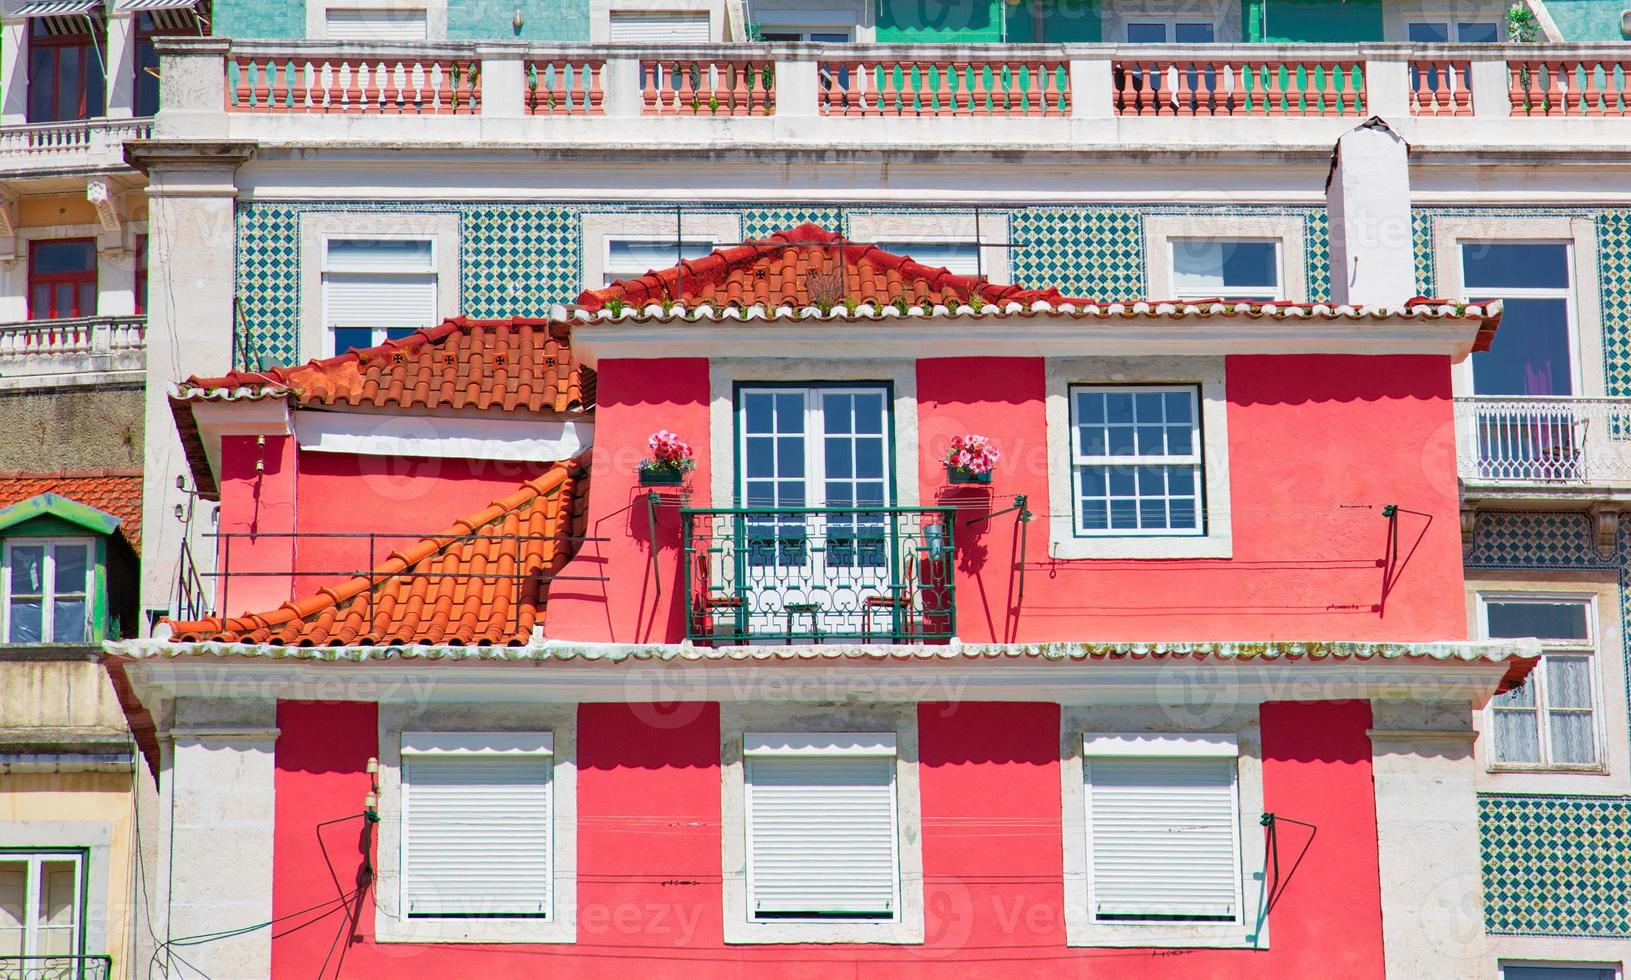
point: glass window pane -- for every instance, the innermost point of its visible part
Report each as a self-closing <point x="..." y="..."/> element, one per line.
<point x="789" y="413"/>
<point x="1530" y="355"/>
<point x="13" y="893"/>
<point x="869" y="414"/>
<point x="68" y="621"/>
<point x="790" y="457"/>
<point x="960" y="258"/>
<point x="1568" y="681"/>
<point x="27" y="570"/>
<point x="72" y="565"/>
<point x="1429" y="33"/>
<point x="1558" y="972"/>
<point x="352" y="338"/>
<point x="60" y="257"/>
<point x="1516" y="737"/>
<point x="1546" y="620"/>
<point x="1193" y="33"/>
<point x="758" y="410"/>
<point x="1200" y="265"/>
<point x="1146" y="33"/>
<point x="1515" y="265"/>
<point x="1478" y="33"/>
<point x="85" y="299"/>
<point x="837" y="414"/>
<point x="1573" y="741"/>
<point x="59" y="887"/>
<point x="1522" y="696"/>
<point x="25" y="620"/>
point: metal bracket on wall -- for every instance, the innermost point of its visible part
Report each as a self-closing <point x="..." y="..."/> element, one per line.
<point x="1020" y="504"/>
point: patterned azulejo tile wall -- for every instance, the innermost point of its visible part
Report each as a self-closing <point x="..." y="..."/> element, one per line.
<point x="517" y="259"/>
<point x="1554" y="865"/>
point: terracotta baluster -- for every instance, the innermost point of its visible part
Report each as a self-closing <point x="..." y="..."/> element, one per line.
<point x="597" y="90"/>
<point x="241" y="96"/>
<point x="648" y="88"/>
<point x="1049" y="90"/>
<point x="1593" y="95"/>
<point x="263" y="94"/>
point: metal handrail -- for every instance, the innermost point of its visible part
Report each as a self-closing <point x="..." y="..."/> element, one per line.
<point x="62" y="967"/>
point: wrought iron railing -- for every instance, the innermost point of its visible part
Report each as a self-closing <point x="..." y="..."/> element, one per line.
<point x="1543" y="440"/>
<point x="56" y="967"/>
<point x="820" y="574"/>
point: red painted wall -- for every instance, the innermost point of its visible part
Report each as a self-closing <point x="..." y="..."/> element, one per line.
<point x="258" y="513"/>
<point x="649" y="855"/>
<point x="643" y="597"/>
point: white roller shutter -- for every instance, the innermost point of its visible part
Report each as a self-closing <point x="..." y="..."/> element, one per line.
<point x="822" y="826"/>
<point x="648" y="27"/>
<point x="477" y="831"/>
<point x="376" y="25"/>
<point x="380" y="283"/>
<point x="1162" y="836"/>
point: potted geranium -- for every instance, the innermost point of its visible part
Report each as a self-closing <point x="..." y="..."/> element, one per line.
<point x="671" y="458"/>
<point x="971" y="459"/>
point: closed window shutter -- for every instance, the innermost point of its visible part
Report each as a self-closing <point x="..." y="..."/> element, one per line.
<point x="376" y="25"/>
<point x="361" y="299"/>
<point x="1162" y="838"/>
<point x="637" y="27"/>
<point x="477" y="835"/>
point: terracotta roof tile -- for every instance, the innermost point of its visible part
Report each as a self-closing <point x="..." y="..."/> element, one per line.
<point x="805" y="266"/>
<point x="464" y="363"/>
<point x="464" y="586"/>
<point x="115" y="492"/>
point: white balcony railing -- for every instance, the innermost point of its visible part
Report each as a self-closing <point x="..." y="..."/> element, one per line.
<point x="970" y="95"/>
<point x="48" y="353"/>
<point x="82" y="144"/>
<point x="1544" y="442"/>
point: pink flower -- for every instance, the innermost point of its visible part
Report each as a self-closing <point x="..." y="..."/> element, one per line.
<point x="972" y="453"/>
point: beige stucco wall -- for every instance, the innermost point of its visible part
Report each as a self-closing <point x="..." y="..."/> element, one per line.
<point x="71" y="429"/>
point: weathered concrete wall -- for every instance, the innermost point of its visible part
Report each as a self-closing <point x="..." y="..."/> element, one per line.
<point x="36" y="692"/>
<point x="71" y="429"/>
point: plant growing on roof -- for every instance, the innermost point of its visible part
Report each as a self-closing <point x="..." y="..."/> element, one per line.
<point x="616" y="306"/>
<point x="671" y="458"/>
<point x="971" y="459"/>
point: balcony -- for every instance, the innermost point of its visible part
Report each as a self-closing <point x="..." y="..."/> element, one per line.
<point x="1515" y="447"/>
<point x="819" y="575"/>
<point x="56" y="967"/>
<point x="312" y="92"/>
<point x="83" y="350"/>
<point x="83" y="146"/>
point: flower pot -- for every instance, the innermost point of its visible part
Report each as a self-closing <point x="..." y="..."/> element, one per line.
<point x="956" y="475"/>
<point x="661" y="477"/>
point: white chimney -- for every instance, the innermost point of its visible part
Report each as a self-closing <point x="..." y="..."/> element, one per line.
<point x="1367" y="196"/>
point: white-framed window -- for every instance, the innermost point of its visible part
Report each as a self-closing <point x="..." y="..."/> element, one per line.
<point x="380" y="24"/>
<point x="1236" y="269"/>
<point x="477" y="825"/>
<point x="665" y="26"/>
<point x="1163" y="828"/>
<point x="47" y="586"/>
<point x="793" y="32"/>
<point x="1535" y="351"/>
<point x="1136" y="460"/>
<point x="632" y="256"/>
<point x="42" y="897"/>
<point x="822" y="826"/>
<point x="960" y="257"/>
<point x="1553" y="720"/>
<point x="1147" y="30"/>
<point x="377" y="289"/>
<point x="1439" y="31"/>
<point x="1539" y="970"/>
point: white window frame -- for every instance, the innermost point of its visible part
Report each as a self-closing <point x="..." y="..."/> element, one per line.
<point x="1289" y="230"/>
<point x="31" y="890"/>
<point x="983" y="229"/>
<point x="903" y="244"/>
<point x="463" y="728"/>
<point x="435" y="14"/>
<point x="600" y="15"/>
<point x="379" y="333"/>
<point x="1590" y="648"/>
<point x="739" y="721"/>
<point x="1402" y="19"/>
<point x="597" y="229"/>
<point x="811" y="745"/>
<point x="1223" y="15"/>
<point x="1569" y="295"/>
<point x="608" y="241"/>
<point x="318" y="226"/>
<point x="1126" y="731"/>
<point x="815" y="458"/>
<point x="1169" y="25"/>
<point x="1277" y="292"/>
<point x="48" y="586"/>
<point x="1079" y="461"/>
<point x="1067" y="373"/>
<point x="804" y="16"/>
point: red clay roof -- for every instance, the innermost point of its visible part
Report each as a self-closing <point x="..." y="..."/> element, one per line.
<point x="457" y="588"/>
<point x="802" y="266"/>
<point x="518" y="364"/>
<point x="115" y="492"/>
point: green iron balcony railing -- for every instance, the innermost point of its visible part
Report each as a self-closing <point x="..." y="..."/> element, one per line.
<point x="820" y="574"/>
<point x="56" y="967"/>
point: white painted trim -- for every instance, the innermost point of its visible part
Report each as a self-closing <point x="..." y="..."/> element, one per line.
<point x="833" y="342"/>
<point x="782" y="15"/>
<point x="1209" y="375"/>
<point x="600" y="15"/>
<point x="947" y="226"/>
<point x="96" y="836"/>
<point x="1223" y="15"/>
<point x="1162" y="745"/>
<point x="478" y="743"/>
<point x="1237" y="719"/>
<point x="597" y="228"/>
<point x="435" y="14"/>
<point x="366" y="434"/>
<point x="316" y="227"/>
<point x="493" y="722"/>
<point x="258" y="417"/>
<point x="898" y="722"/>
<point x="818" y="744"/>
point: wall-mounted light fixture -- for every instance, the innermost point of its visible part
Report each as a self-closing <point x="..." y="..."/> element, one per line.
<point x="518" y="22"/>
